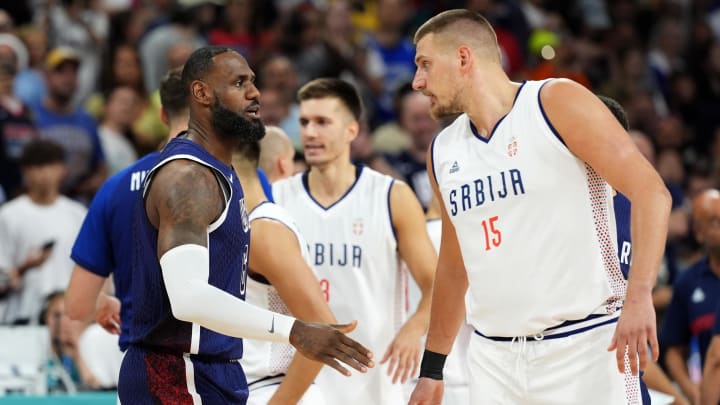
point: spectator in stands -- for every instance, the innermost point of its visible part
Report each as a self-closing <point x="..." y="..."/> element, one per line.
<point x="29" y="83"/>
<point x="696" y="294"/>
<point x="37" y="230"/>
<point x="58" y="119"/>
<point x="16" y="126"/>
<point x="123" y="69"/>
<point x="67" y="372"/>
<point x="415" y="120"/>
<point x="397" y="52"/>
<point x="121" y="109"/>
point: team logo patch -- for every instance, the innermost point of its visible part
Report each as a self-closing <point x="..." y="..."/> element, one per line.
<point x="512" y="147"/>
<point x="357" y="226"/>
<point x="244" y="216"/>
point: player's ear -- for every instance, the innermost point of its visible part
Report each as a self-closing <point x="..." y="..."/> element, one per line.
<point x="465" y="55"/>
<point x="201" y="92"/>
<point x="352" y="131"/>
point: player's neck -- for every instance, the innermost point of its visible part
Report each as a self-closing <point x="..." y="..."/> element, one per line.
<point x="489" y="101"/>
<point x="204" y="135"/>
<point x="328" y="183"/>
<point x="252" y="189"/>
<point x="43" y="197"/>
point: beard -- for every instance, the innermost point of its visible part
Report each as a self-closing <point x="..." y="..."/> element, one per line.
<point x="439" y="111"/>
<point x="231" y="125"/>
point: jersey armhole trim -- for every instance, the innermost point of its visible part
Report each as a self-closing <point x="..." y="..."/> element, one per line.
<point x="392" y="225"/>
<point x="223" y="183"/>
<point x="432" y="157"/>
<point x="545" y="117"/>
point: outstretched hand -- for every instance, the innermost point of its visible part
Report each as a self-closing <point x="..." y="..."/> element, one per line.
<point x="635" y="330"/>
<point x="328" y="344"/>
<point x="403" y="353"/>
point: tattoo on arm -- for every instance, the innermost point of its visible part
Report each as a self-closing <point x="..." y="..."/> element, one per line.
<point x="187" y="199"/>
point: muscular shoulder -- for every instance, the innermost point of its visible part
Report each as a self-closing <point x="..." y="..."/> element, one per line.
<point x="187" y="191"/>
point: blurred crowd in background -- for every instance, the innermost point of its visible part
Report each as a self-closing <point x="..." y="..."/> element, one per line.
<point x="79" y="102"/>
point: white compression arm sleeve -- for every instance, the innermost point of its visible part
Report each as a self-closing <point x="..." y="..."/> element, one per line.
<point x="186" y="269"/>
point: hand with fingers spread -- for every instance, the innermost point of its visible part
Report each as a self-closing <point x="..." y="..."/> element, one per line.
<point x="328" y="344"/>
<point x="427" y="392"/>
<point x="635" y="330"/>
<point x="403" y="353"/>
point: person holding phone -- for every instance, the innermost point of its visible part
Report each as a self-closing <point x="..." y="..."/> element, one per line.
<point x="36" y="231"/>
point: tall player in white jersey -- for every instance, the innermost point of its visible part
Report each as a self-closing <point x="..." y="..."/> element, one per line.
<point x="356" y="222"/>
<point x="528" y="230"/>
<point x="283" y="283"/>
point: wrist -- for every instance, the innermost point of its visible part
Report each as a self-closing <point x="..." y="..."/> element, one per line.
<point x="432" y="365"/>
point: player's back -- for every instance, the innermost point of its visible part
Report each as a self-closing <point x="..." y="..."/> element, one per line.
<point x="353" y="248"/>
<point x="535" y="223"/>
<point x="153" y="325"/>
<point x="104" y="243"/>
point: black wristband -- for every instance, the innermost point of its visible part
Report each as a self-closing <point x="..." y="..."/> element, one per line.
<point x="432" y="365"/>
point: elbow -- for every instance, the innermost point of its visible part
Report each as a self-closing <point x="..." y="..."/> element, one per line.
<point x="183" y="302"/>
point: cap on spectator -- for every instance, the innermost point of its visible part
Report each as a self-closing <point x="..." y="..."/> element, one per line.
<point x="60" y="55"/>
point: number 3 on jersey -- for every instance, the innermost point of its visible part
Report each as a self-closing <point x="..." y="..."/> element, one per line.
<point x="325" y="288"/>
<point x="493" y="237"/>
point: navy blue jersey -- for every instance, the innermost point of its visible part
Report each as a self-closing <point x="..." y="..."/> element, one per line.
<point x="622" y="223"/>
<point x="104" y="242"/>
<point x="691" y="313"/>
<point x="716" y="326"/>
<point x="153" y="326"/>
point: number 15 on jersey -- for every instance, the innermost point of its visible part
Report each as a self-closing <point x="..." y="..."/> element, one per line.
<point x="493" y="237"/>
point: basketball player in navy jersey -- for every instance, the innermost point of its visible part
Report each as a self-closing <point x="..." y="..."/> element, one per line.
<point x="104" y="241"/>
<point x="653" y="377"/>
<point x="190" y="256"/>
<point x="526" y="220"/>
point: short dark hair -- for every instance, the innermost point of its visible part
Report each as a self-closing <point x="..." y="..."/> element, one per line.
<point x="336" y="88"/>
<point x="199" y="63"/>
<point x="41" y="152"/>
<point x="616" y="110"/>
<point x="173" y="93"/>
<point x="447" y="18"/>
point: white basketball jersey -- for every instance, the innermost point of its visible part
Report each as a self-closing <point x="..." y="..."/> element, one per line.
<point x="263" y="359"/>
<point x="353" y="248"/>
<point x="535" y="224"/>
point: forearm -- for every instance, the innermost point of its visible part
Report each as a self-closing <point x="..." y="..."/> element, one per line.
<point x="300" y="375"/>
<point x="82" y="293"/>
<point x="675" y="361"/>
<point x="656" y="379"/>
<point x="448" y="310"/>
<point x="649" y="213"/>
<point x="710" y="387"/>
<point x="185" y="272"/>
